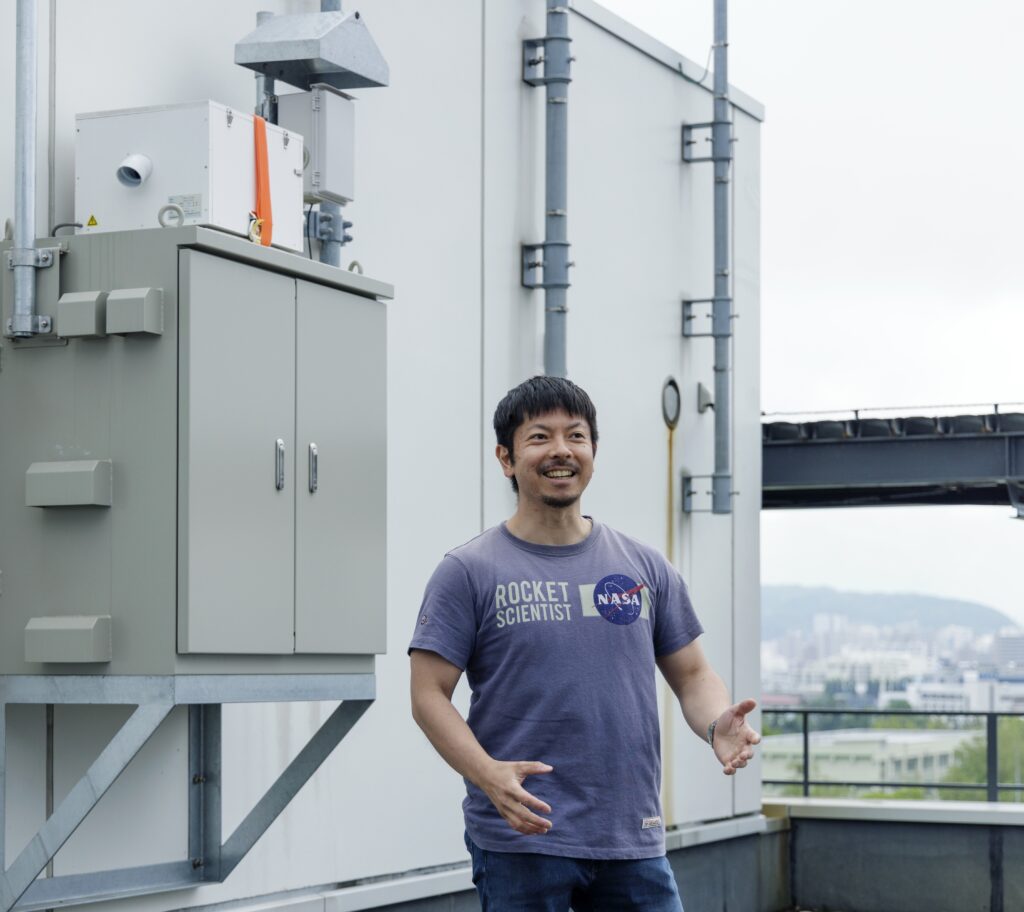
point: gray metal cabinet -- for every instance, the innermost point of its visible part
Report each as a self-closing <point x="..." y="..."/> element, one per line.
<point x="236" y="527"/>
<point x="282" y="469"/>
<point x="341" y="422"/>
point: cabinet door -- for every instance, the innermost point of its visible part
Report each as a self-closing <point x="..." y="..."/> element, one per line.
<point x="341" y="527"/>
<point x="236" y="400"/>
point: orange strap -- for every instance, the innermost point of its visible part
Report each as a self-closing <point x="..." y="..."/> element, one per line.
<point x="264" y="214"/>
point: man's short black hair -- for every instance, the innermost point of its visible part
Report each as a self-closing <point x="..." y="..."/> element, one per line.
<point x="538" y="396"/>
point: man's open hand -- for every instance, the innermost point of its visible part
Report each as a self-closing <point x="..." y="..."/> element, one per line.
<point x="734" y="740"/>
<point x="503" y="784"/>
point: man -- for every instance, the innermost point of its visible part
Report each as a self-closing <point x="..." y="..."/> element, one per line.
<point x="558" y="622"/>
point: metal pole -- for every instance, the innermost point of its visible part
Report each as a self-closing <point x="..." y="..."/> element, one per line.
<point x="266" y="106"/>
<point x="556" y="245"/>
<point x="807" y="757"/>
<point x="992" y="756"/>
<point x="332" y="236"/>
<point x="23" y="252"/>
<point x="721" y="313"/>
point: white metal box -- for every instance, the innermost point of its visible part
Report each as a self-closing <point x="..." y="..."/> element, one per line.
<point x="198" y="156"/>
<point x="326" y="118"/>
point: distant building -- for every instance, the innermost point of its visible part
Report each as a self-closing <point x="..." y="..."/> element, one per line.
<point x="865" y="755"/>
<point x="1008" y="653"/>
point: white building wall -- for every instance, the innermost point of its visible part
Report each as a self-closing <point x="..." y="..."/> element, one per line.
<point x="449" y="176"/>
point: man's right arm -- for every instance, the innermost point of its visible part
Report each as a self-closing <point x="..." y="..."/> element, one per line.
<point x="433" y="683"/>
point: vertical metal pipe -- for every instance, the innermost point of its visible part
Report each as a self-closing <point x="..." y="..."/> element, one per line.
<point x="557" y="63"/>
<point x="25" y="170"/>
<point x="992" y="756"/>
<point x="331" y="240"/>
<point x="266" y="106"/>
<point x="331" y="244"/>
<point x="721" y="314"/>
<point x="807" y="755"/>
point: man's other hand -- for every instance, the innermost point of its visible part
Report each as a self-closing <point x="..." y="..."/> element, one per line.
<point x="503" y="784"/>
<point x="734" y="740"/>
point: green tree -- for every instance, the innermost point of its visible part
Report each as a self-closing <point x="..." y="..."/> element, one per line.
<point x="971" y="763"/>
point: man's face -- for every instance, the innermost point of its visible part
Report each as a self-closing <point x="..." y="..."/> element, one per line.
<point x="552" y="459"/>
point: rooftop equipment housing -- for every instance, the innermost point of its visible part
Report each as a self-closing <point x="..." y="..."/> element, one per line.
<point x="331" y="47"/>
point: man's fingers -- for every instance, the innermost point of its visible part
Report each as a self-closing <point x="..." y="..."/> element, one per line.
<point x="523" y="819"/>
<point x="532" y="801"/>
<point x="745" y="706"/>
<point x="526" y="768"/>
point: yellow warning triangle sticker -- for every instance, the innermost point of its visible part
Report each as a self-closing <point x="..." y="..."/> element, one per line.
<point x="92" y="223"/>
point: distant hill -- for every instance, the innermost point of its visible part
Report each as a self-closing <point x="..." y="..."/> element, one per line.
<point x="793" y="608"/>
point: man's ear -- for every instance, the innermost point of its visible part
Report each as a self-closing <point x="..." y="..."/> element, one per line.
<point x="505" y="458"/>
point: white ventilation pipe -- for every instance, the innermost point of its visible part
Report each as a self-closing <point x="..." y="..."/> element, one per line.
<point x="134" y="170"/>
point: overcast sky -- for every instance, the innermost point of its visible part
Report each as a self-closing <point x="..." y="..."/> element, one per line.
<point x="892" y="270"/>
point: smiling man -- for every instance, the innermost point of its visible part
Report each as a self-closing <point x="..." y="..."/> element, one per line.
<point x="559" y="622"/>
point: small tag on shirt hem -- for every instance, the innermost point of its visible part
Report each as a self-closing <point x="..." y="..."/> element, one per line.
<point x="651" y="823"/>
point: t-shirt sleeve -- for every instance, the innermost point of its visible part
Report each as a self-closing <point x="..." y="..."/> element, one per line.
<point x="675" y="621"/>
<point x="447" y="622"/>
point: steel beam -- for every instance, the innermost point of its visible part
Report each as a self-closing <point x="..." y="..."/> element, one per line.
<point x="204" y="797"/>
<point x="48" y="893"/>
<point x="155" y="696"/>
<point x="80" y="800"/>
<point x="185" y="690"/>
<point x="961" y="468"/>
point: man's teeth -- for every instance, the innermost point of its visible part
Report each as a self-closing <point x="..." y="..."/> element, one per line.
<point x="558" y="473"/>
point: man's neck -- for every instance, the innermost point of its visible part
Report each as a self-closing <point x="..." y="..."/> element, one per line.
<point x="549" y="526"/>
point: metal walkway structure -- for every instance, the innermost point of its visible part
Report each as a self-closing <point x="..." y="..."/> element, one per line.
<point x="956" y="459"/>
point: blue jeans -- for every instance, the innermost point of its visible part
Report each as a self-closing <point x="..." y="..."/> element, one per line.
<point x="527" y="882"/>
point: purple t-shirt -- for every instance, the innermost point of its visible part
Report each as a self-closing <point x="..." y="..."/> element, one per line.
<point x="558" y="644"/>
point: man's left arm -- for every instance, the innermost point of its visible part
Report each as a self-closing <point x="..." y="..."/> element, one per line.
<point x="704" y="699"/>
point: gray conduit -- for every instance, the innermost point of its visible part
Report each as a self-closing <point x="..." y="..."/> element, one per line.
<point x="721" y="313"/>
<point x="331" y="240"/>
<point x="556" y="243"/>
<point x="23" y="323"/>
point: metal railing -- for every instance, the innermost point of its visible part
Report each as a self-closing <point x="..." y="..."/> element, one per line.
<point x="992" y="786"/>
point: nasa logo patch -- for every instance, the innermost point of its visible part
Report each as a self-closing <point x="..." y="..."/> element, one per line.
<point x="617" y="599"/>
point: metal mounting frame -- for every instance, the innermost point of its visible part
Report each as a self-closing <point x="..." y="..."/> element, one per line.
<point x="211" y="860"/>
<point x="38" y="258"/>
<point x="534" y="72"/>
<point x="530" y="265"/>
<point x="690" y="314"/>
<point x="688" y="490"/>
<point x="688" y="141"/>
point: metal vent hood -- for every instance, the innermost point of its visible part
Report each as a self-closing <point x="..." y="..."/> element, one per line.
<point x="333" y="48"/>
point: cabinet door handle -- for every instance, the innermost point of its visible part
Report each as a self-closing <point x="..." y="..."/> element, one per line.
<point x="279" y="464"/>
<point x="313" y="481"/>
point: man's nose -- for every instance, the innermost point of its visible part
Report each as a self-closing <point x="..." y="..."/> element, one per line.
<point x="560" y="446"/>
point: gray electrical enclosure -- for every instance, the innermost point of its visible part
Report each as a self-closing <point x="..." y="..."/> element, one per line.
<point x="193" y="465"/>
<point x="325" y="118"/>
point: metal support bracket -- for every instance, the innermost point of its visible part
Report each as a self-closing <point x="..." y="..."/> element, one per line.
<point x="211" y="860"/>
<point x="321" y="226"/>
<point x="690" y="315"/>
<point x="721" y="490"/>
<point x="38" y="258"/>
<point x="690" y="140"/>
<point x="534" y="70"/>
<point x="533" y="262"/>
